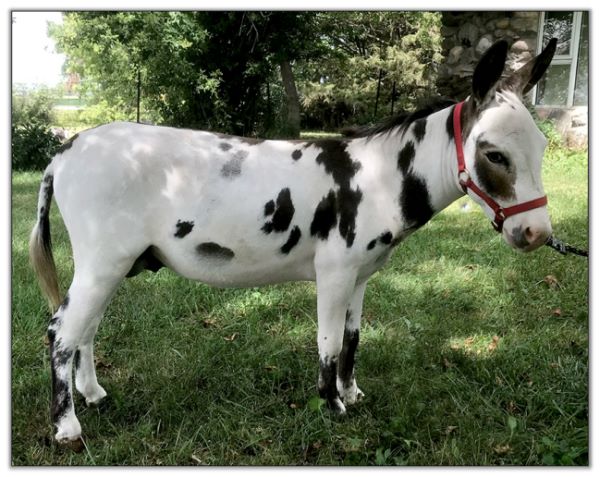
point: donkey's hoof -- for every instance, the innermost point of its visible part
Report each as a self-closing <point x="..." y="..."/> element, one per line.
<point x="95" y="402"/>
<point x="76" y="445"/>
<point x="94" y="399"/>
<point x="359" y="395"/>
<point x="351" y="396"/>
<point x="337" y="406"/>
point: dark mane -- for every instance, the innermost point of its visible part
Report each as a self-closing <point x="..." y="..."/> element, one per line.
<point x="402" y="120"/>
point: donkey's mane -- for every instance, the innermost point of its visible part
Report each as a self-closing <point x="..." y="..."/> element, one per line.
<point x="402" y="120"/>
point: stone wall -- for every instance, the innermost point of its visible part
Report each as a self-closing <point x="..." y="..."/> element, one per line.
<point x="467" y="35"/>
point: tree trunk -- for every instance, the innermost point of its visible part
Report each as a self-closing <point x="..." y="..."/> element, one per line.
<point x="292" y="126"/>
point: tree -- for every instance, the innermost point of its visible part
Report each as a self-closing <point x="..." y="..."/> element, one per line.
<point x="198" y="69"/>
<point x="252" y="73"/>
<point x="400" y="47"/>
<point x="108" y="49"/>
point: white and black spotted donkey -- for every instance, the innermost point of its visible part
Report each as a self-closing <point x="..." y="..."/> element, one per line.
<point x="233" y="212"/>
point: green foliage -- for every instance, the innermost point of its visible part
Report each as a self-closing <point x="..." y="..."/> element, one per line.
<point x="554" y="138"/>
<point x="221" y="70"/>
<point x="102" y="112"/>
<point x="32" y="141"/>
<point x="197" y="69"/>
<point x="563" y="452"/>
<point x="405" y="47"/>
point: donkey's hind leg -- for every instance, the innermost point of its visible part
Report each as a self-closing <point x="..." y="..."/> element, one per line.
<point x="73" y="324"/>
<point x="86" y="381"/>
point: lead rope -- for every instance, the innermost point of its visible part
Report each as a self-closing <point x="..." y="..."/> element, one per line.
<point x="564" y="248"/>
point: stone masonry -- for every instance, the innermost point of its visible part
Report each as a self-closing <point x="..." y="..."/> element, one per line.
<point x="467" y="35"/>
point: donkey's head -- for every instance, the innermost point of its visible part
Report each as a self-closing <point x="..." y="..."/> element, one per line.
<point x="503" y="148"/>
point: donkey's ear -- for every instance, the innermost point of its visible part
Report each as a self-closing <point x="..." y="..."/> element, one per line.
<point x="488" y="70"/>
<point x="525" y="78"/>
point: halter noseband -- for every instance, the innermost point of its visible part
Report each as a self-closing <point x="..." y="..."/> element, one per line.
<point x="464" y="178"/>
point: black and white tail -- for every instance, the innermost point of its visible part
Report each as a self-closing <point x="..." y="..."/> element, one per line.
<point x="40" y="244"/>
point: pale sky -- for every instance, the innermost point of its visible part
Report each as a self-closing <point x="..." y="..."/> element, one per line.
<point x="33" y="57"/>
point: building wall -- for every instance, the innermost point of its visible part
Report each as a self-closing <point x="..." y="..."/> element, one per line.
<point x="467" y="35"/>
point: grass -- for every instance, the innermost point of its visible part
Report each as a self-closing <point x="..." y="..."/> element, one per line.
<point x="470" y="355"/>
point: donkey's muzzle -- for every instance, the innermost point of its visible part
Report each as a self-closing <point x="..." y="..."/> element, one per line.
<point x="528" y="238"/>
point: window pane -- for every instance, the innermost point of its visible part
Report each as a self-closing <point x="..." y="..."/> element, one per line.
<point x="581" y="80"/>
<point x="559" y="25"/>
<point x="553" y="89"/>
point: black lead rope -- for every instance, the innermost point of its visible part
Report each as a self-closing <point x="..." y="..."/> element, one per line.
<point x="564" y="248"/>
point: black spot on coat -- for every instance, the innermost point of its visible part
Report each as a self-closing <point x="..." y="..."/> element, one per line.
<point x="214" y="250"/>
<point x="386" y="238"/>
<point x="406" y="156"/>
<point x="61" y="397"/>
<point x="327" y="382"/>
<point x="415" y="201"/>
<point x="225" y="146"/>
<point x="283" y="214"/>
<point x="337" y="161"/>
<point x="233" y="167"/>
<point x="269" y="208"/>
<point x="325" y="217"/>
<point x="420" y="129"/>
<point x="292" y="240"/>
<point x="297" y="154"/>
<point x="183" y="228"/>
<point x="347" y="356"/>
<point x="347" y="202"/>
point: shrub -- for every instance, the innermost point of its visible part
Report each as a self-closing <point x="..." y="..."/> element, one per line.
<point x="33" y="145"/>
<point x="555" y="139"/>
<point x="32" y="142"/>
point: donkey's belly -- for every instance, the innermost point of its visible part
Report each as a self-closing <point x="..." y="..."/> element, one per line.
<point x="222" y="267"/>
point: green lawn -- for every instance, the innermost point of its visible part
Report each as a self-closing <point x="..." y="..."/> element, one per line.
<point x="470" y="355"/>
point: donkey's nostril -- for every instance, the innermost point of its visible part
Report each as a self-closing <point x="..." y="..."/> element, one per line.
<point x="535" y="236"/>
<point x="530" y="235"/>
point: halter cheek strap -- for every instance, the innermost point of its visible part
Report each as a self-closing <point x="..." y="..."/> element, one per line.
<point x="464" y="178"/>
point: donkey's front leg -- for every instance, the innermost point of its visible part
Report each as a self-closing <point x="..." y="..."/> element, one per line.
<point x="346" y="383"/>
<point x="334" y="291"/>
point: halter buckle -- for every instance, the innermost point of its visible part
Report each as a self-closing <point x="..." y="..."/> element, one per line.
<point x="464" y="178"/>
<point x="499" y="219"/>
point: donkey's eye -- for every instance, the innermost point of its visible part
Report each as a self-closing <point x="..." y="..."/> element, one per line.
<point x="496" y="158"/>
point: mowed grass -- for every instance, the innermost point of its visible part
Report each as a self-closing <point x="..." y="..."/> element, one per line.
<point x="470" y="354"/>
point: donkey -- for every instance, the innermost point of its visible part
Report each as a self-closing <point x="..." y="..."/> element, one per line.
<point x="235" y="212"/>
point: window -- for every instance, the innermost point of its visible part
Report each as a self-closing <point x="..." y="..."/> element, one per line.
<point x="566" y="80"/>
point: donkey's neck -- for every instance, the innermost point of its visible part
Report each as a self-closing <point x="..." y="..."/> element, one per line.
<point x="435" y="159"/>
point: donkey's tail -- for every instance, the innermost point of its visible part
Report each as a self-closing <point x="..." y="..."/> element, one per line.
<point x="40" y="245"/>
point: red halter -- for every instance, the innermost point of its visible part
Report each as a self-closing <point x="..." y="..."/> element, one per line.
<point x="464" y="178"/>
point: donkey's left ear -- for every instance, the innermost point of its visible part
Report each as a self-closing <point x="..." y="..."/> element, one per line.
<point x="525" y="78"/>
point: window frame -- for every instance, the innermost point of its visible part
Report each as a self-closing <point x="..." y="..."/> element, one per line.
<point x="571" y="59"/>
